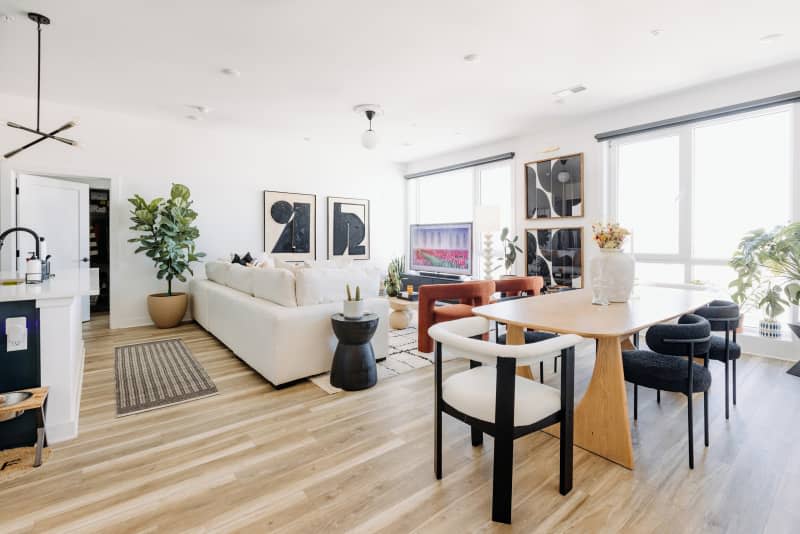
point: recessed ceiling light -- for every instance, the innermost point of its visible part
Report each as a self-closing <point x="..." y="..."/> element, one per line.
<point x="193" y="117"/>
<point x="558" y="101"/>
<point x="563" y="93"/>
<point x="307" y="139"/>
<point x="200" y="109"/>
<point x="407" y="144"/>
<point x="6" y="18"/>
<point x="655" y="32"/>
<point x="228" y="71"/>
<point x="770" y="37"/>
<point x="471" y="58"/>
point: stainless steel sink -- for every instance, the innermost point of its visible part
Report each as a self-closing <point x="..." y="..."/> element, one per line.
<point x="10" y="399"/>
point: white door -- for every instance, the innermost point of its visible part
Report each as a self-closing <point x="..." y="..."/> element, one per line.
<point x="57" y="210"/>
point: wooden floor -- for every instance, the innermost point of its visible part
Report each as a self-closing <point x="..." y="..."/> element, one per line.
<point x="297" y="460"/>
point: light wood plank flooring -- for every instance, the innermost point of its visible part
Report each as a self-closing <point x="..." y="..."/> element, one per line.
<point x="254" y="459"/>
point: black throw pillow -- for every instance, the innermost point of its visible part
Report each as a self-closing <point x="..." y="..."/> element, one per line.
<point x="236" y="259"/>
<point x="247" y="259"/>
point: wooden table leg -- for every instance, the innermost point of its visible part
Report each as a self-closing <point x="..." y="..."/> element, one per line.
<point x="515" y="335"/>
<point x="601" y="416"/>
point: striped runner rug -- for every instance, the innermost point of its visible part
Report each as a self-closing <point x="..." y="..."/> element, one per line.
<point x="158" y="374"/>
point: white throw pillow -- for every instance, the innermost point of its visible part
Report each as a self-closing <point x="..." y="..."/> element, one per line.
<point x="218" y="271"/>
<point x="264" y="261"/>
<point x="322" y="284"/>
<point x="240" y="278"/>
<point x="275" y="285"/>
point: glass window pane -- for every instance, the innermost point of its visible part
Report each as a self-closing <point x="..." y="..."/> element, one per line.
<point x="717" y="277"/>
<point x="495" y="182"/>
<point x="659" y="273"/>
<point x="649" y="186"/>
<point x="446" y="197"/>
<point x="742" y="176"/>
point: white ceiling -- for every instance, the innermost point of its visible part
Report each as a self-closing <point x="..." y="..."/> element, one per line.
<point x="306" y="63"/>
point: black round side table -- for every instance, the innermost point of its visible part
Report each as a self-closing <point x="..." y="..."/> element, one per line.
<point x="354" y="360"/>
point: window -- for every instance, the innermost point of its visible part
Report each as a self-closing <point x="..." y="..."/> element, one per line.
<point x="689" y="193"/>
<point x="452" y="196"/>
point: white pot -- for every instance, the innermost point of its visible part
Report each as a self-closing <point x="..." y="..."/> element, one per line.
<point x="613" y="272"/>
<point x="353" y="309"/>
<point x="769" y="328"/>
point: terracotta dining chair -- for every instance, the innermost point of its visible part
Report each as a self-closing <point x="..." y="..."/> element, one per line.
<point x="468" y="295"/>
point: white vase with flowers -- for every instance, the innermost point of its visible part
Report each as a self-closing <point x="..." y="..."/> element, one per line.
<point x="613" y="271"/>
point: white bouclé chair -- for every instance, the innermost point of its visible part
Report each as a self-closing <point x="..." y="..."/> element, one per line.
<point x="492" y="399"/>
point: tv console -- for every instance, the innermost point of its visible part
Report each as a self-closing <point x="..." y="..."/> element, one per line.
<point x="423" y="278"/>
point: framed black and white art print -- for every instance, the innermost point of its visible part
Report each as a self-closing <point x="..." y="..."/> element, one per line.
<point x="555" y="254"/>
<point x="554" y="187"/>
<point x="290" y="222"/>
<point x="348" y="228"/>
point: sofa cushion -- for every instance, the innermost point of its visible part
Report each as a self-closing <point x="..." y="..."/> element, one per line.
<point x="240" y="278"/>
<point x="218" y="271"/>
<point x="274" y="285"/>
<point x="320" y="284"/>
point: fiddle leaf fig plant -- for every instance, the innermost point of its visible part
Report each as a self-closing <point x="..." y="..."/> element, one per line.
<point x="510" y="249"/>
<point x="166" y="233"/>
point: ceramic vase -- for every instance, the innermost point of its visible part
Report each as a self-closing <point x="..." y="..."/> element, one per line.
<point x="613" y="272"/>
<point x="769" y="328"/>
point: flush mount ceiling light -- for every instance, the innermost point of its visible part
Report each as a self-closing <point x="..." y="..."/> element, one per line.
<point x="369" y="139"/>
<point x="200" y="109"/>
<point x="770" y="38"/>
<point x="39" y="20"/>
<point x="471" y="58"/>
<point x="569" y="91"/>
<point x="656" y="32"/>
<point x="228" y="71"/>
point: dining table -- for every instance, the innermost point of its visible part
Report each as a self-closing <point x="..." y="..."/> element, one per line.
<point x="601" y="418"/>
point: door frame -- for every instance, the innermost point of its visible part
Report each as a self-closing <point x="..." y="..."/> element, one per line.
<point x="8" y="213"/>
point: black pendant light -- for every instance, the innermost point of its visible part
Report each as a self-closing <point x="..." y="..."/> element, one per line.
<point x="39" y="20"/>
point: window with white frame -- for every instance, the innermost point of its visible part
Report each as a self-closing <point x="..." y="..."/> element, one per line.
<point x="451" y="197"/>
<point x="690" y="193"/>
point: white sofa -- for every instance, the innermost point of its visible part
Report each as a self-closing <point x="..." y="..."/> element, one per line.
<point x="279" y="321"/>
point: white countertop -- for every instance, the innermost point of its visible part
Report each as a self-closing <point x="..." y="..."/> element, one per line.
<point x="67" y="283"/>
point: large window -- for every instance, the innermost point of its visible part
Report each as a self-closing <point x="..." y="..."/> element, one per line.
<point x="452" y="197"/>
<point x="690" y="193"/>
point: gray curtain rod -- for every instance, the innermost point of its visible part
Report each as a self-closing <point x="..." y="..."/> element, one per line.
<point x="753" y="105"/>
<point x="465" y="165"/>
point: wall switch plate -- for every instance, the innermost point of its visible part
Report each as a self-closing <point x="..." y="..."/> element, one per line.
<point x="16" y="334"/>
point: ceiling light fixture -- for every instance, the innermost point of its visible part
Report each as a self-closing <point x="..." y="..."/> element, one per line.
<point x="471" y="58"/>
<point x="656" y="32"/>
<point x="769" y="38"/>
<point x="569" y="91"/>
<point x="369" y="139"/>
<point x="39" y="20"/>
<point x="228" y="71"/>
<point x="200" y="109"/>
<point x="193" y="117"/>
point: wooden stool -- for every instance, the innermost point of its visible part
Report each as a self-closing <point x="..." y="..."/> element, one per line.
<point x="36" y="401"/>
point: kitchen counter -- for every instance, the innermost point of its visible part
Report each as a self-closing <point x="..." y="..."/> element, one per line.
<point x="65" y="284"/>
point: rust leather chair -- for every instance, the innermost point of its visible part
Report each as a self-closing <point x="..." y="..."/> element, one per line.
<point x="469" y="294"/>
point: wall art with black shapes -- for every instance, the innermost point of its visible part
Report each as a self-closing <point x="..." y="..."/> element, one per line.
<point x="290" y="223"/>
<point x="348" y="228"/>
<point x="554" y="187"/>
<point x="556" y="254"/>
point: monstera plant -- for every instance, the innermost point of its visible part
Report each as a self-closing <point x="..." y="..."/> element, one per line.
<point x="166" y="234"/>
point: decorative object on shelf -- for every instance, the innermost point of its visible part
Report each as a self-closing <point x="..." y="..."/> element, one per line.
<point x="40" y="20"/>
<point x="554" y="187"/>
<point x="510" y="249"/>
<point x="167" y="236"/>
<point x="613" y="271"/>
<point x="767" y="264"/>
<point x="487" y="222"/>
<point x="348" y="228"/>
<point x="290" y="223"/>
<point x="353" y="366"/>
<point x="555" y="254"/>
<point x="393" y="283"/>
<point x="353" y="307"/>
<point x="369" y="139"/>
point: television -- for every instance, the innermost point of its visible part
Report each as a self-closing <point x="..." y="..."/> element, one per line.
<point x="441" y="248"/>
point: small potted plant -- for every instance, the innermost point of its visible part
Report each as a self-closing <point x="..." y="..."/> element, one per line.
<point x="167" y="236"/>
<point x="353" y="307"/>
<point x="393" y="283"/>
<point x="510" y="249"/>
<point x="773" y="304"/>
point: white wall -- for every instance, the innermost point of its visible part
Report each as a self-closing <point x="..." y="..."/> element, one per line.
<point x="227" y="170"/>
<point x="577" y="135"/>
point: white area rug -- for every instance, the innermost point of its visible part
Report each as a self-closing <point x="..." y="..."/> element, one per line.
<point x="403" y="357"/>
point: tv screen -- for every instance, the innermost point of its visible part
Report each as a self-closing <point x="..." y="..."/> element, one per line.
<point x="441" y="248"/>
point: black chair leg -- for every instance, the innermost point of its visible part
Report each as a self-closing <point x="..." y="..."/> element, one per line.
<point x="502" y="479"/>
<point x="635" y="402"/>
<point x="727" y="386"/>
<point x="477" y="437"/>
<point x="691" y="432"/>
<point x="541" y="372"/>
<point x="658" y="396"/>
<point x="705" y="415"/>
<point x="734" y="382"/>
<point x="437" y="453"/>
<point x="555" y="365"/>
<point x="567" y="420"/>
